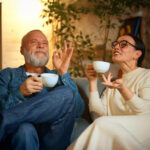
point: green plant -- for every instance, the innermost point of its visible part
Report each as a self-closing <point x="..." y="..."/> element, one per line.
<point x="64" y="18"/>
<point x="109" y="10"/>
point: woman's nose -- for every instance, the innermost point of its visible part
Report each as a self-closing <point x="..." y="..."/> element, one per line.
<point x="117" y="46"/>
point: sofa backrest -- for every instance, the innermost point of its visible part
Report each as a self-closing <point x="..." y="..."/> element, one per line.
<point x="83" y="87"/>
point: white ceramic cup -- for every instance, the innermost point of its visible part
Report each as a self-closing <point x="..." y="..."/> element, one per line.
<point x="101" y="66"/>
<point x="49" y="79"/>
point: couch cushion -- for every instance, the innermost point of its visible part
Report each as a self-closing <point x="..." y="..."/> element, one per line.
<point x="83" y="86"/>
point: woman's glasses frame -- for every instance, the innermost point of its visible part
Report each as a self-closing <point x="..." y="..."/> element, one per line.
<point x="122" y="44"/>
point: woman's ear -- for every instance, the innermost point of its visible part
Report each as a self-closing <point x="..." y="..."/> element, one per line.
<point x="137" y="54"/>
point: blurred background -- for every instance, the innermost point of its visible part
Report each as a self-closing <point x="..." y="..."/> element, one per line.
<point x="90" y="24"/>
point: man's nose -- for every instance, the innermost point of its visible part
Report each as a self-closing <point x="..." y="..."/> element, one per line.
<point x="40" y="44"/>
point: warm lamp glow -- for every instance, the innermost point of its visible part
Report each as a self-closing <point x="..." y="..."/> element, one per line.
<point x="18" y="18"/>
<point x="29" y="8"/>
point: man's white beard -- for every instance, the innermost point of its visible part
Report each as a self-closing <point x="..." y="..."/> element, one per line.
<point x="37" y="62"/>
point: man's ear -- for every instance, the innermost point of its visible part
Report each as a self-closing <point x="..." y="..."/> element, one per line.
<point x="21" y="50"/>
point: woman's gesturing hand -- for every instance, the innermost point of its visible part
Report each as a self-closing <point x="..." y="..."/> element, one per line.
<point x="118" y="83"/>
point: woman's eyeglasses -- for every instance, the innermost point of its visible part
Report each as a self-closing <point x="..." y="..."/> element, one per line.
<point x="122" y="44"/>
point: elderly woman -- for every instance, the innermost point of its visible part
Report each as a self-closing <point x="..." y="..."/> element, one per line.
<point x="124" y="105"/>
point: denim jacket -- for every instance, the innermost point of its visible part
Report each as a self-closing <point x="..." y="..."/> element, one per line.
<point x="12" y="78"/>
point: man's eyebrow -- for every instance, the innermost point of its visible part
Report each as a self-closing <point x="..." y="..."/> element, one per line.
<point x="37" y="40"/>
<point x="45" y="40"/>
<point x="33" y="39"/>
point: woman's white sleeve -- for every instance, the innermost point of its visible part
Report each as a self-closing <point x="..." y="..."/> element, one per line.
<point x="96" y="107"/>
<point x="140" y="103"/>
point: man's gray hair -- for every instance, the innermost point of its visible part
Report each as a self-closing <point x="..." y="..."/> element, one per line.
<point x="27" y="34"/>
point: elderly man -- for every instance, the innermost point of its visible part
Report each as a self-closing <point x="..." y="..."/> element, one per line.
<point x="36" y="117"/>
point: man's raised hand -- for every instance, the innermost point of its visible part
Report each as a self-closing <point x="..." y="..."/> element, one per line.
<point x="61" y="58"/>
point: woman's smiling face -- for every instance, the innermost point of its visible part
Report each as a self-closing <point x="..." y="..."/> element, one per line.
<point x="124" y="50"/>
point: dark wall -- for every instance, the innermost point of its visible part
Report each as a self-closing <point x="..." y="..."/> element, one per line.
<point x="0" y="38"/>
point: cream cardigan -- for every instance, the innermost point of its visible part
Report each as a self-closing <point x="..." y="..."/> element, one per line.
<point x="120" y="124"/>
<point x="112" y="103"/>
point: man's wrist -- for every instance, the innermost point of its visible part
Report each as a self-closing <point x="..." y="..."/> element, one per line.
<point x="61" y="72"/>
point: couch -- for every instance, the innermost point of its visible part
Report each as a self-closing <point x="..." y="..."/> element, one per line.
<point x="83" y="122"/>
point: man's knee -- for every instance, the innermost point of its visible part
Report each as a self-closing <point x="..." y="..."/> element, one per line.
<point x="68" y="94"/>
<point x="61" y="95"/>
<point x="65" y="98"/>
<point x="65" y="91"/>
